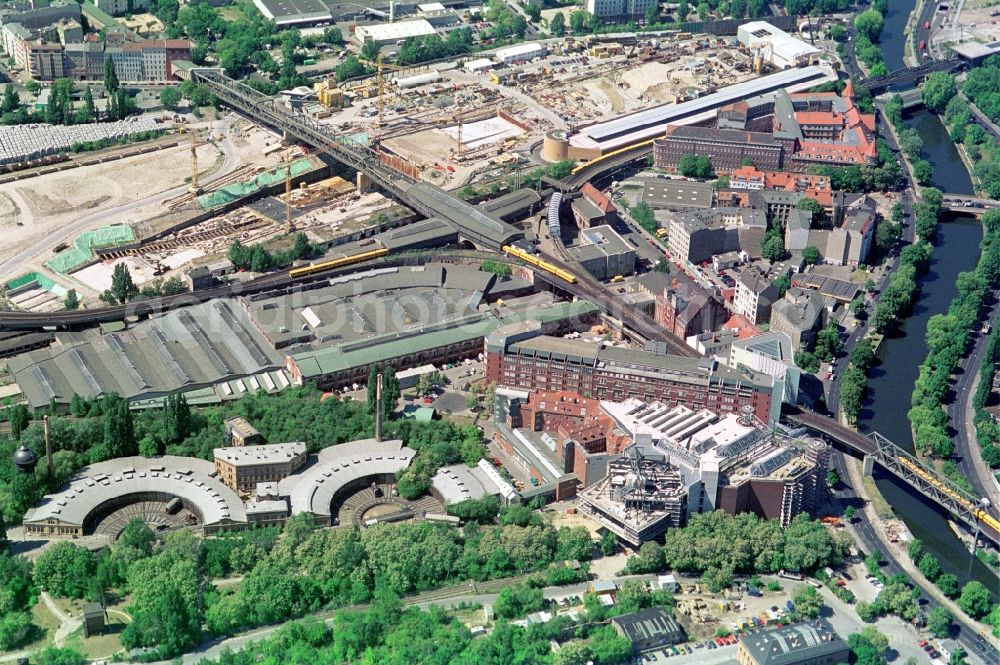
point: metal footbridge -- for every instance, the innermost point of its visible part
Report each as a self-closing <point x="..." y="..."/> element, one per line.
<point x="876" y="449"/>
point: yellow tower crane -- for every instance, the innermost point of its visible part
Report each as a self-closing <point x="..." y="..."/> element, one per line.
<point x="289" y="226"/>
<point x="195" y="188"/>
<point x="380" y="67"/>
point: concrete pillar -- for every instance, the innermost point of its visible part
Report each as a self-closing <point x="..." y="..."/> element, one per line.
<point x="364" y="183"/>
<point x="286" y="140"/>
<point x="868" y="466"/>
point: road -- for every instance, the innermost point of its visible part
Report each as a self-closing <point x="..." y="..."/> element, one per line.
<point x="444" y="597"/>
<point x="960" y="413"/>
<point x="868" y="540"/>
<point x="13" y="264"/>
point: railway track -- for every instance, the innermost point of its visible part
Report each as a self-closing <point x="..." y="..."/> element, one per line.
<point x="181" y="241"/>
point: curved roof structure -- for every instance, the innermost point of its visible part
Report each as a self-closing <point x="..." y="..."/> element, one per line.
<point x="651" y="123"/>
<point x="313" y="490"/>
<point x="190" y="479"/>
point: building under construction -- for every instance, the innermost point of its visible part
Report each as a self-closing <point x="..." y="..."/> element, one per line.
<point x="639" y="499"/>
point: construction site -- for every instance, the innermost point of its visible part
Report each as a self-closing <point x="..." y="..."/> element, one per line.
<point x="455" y="124"/>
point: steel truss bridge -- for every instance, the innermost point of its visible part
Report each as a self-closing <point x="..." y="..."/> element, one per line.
<point x="876" y="449"/>
<point x="910" y="75"/>
<point x="427" y="199"/>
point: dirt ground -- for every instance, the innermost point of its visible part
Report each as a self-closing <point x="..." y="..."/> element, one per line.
<point x="974" y="22"/>
<point x="30" y="210"/>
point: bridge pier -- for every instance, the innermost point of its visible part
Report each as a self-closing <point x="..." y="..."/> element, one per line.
<point x="868" y="466"/>
<point x="286" y="139"/>
<point x="364" y="183"/>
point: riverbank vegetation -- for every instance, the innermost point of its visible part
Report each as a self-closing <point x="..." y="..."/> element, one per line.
<point x="982" y="88"/>
<point x="909" y="140"/>
<point x="895" y="302"/>
<point x="987" y="430"/>
<point x="947" y="340"/>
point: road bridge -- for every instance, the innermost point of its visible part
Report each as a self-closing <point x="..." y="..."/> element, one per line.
<point x="970" y="205"/>
<point x="910" y="76"/>
<point x="377" y="167"/>
<point x="876" y="449"/>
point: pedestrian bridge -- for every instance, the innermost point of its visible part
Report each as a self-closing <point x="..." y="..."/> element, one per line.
<point x="876" y="449"/>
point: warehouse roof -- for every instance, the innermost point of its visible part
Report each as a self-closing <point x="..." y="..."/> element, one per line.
<point x="649" y="124"/>
<point x="653" y="623"/>
<point x="188" y="478"/>
<point x="183" y="350"/>
<point x="809" y="642"/>
<point x="389" y="32"/>
<point x="313" y="491"/>
<point x="289" y="12"/>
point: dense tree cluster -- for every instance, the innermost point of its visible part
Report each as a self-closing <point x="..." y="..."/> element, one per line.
<point x="695" y="166"/>
<point x="909" y="139"/>
<point x="257" y="258"/>
<point x="987" y="430"/>
<point x="981" y="88"/>
<point x="719" y="545"/>
<point x="15" y="602"/>
<point x="310" y="568"/>
<point x="422" y="49"/>
<point x="947" y="338"/>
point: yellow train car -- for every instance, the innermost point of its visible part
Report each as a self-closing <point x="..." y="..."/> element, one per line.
<point x="336" y="263"/>
<point x="980" y="514"/>
<point x="533" y="260"/>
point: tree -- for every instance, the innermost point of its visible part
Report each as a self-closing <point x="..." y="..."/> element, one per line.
<point x="813" y="206"/>
<point x="653" y="13"/>
<point x="372" y="388"/>
<point x="534" y="11"/>
<point x="370" y="50"/>
<point x="811" y="254"/>
<point x="948" y="584"/>
<point x="65" y="570"/>
<point x="975" y="600"/>
<point x="849" y="513"/>
<point x="929" y="567"/>
<point x="923" y="171"/>
<point x="177" y="417"/>
<point x="773" y="247"/>
<point x="578" y="21"/>
<point x="170" y="98"/>
<point x="11" y="102"/>
<point x="119" y="429"/>
<point x="58" y="656"/>
<point x="694" y="166"/>
<point x="808" y="602"/>
<point x="174" y="286"/>
<point x="939" y="621"/>
<point x="557" y="26"/>
<point x="122" y="288"/>
<point x="390" y="391"/>
<point x="869" y="24"/>
<point x="938" y="89"/>
<point x="111" y="83"/>
<point x="783" y="283"/>
<point x="72" y="300"/>
<point x="18" y="417"/>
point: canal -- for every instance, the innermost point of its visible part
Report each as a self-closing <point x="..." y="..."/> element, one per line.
<point x="891" y="381"/>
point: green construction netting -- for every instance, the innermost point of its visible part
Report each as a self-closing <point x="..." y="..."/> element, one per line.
<point x="240" y="189"/>
<point x="80" y="252"/>
<point x="43" y="282"/>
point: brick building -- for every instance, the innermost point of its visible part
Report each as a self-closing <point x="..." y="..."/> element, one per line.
<point x="611" y="373"/>
<point x="725" y="148"/>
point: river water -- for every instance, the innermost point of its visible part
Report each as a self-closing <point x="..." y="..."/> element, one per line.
<point x="891" y="382"/>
